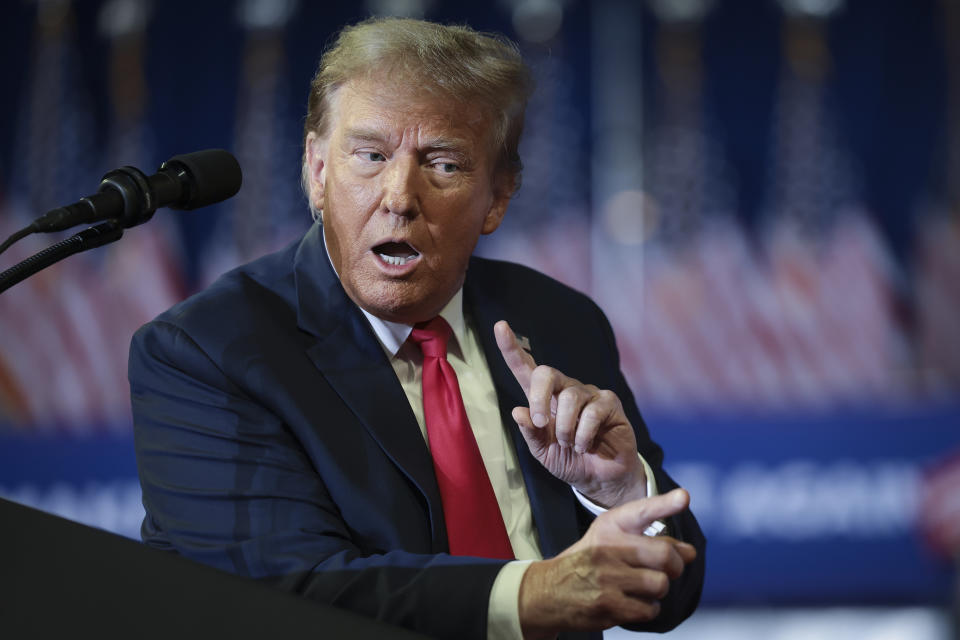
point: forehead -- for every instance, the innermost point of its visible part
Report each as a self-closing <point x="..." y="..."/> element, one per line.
<point x="391" y="108"/>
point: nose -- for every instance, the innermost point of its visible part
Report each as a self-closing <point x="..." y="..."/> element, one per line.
<point x="400" y="194"/>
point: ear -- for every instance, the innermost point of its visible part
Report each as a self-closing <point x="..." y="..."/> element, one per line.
<point x="503" y="189"/>
<point x="316" y="153"/>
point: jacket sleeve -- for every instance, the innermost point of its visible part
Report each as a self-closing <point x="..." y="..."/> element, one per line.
<point x="227" y="484"/>
<point x="685" y="591"/>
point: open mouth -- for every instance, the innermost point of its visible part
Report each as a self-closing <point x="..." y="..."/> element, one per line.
<point x="396" y="253"/>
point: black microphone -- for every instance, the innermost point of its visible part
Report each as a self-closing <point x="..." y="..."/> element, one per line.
<point x="187" y="181"/>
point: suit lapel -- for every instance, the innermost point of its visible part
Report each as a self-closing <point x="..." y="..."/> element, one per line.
<point x="551" y="500"/>
<point x="352" y="361"/>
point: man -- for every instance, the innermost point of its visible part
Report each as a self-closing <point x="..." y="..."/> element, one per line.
<point x="298" y="422"/>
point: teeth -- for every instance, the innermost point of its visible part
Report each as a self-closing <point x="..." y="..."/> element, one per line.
<point x="396" y="260"/>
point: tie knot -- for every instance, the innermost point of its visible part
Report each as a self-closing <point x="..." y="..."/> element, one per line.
<point x="432" y="337"/>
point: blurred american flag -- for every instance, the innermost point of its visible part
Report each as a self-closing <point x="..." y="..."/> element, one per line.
<point x="68" y="327"/>
<point x="801" y="310"/>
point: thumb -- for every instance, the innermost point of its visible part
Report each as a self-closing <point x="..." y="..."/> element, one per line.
<point x="637" y="515"/>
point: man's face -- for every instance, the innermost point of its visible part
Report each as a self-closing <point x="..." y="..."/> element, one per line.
<point x="407" y="185"/>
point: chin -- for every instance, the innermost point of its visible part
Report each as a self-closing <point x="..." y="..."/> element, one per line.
<point x="404" y="302"/>
<point x="400" y="310"/>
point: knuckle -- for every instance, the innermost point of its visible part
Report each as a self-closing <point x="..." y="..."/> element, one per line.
<point x="570" y="395"/>
<point x="602" y="604"/>
<point x="644" y="610"/>
<point x="660" y="584"/>
<point x="611" y="399"/>
<point x="639" y="511"/>
<point x="602" y="526"/>
<point x="659" y="553"/>
<point x="591" y="414"/>
<point x="597" y="555"/>
<point x="664" y="553"/>
<point x="543" y="372"/>
<point x="676" y="564"/>
<point x="650" y="610"/>
<point x="607" y="396"/>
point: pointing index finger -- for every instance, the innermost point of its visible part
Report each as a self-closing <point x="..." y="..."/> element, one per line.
<point x="520" y="362"/>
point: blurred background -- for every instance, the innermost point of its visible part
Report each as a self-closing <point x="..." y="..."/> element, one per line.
<point x="764" y="196"/>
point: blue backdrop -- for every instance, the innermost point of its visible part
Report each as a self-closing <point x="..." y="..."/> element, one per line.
<point x="763" y="201"/>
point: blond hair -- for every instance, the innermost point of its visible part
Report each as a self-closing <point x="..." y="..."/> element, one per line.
<point x="450" y="61"/>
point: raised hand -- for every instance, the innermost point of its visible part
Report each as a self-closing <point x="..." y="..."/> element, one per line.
<point x="577" y="431"/>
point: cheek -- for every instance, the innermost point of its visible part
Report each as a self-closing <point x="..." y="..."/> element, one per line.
<point x="455" y="240"/>
<point x="360" y="192"/>
<point x="348" y="207"/>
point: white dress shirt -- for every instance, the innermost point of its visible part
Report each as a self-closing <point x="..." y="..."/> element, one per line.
<point x="499" y="458"/>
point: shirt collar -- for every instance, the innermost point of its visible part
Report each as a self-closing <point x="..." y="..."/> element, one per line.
<point x="392" y="335"/>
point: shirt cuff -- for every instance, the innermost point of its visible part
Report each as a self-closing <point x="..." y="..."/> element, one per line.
<point x="596" y="509"/>
<point x="503" y="612"/>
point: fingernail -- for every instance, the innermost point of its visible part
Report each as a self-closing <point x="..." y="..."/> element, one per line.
<point x="579" y="449"/>
<point x="679" y="499"/>
<point x="539" y="420"/>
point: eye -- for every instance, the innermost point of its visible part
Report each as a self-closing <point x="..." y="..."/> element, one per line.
<point x="373" y="156"/>
<point x="446" y="167"/>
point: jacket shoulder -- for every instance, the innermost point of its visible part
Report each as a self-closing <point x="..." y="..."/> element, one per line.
<point x="264" y="286"/>
<point x="516" y="282"/>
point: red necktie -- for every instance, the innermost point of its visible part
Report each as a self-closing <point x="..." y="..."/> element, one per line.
<point x="474" y="522"/>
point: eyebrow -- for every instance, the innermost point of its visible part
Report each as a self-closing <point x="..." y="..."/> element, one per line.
<point x="455" y="145"/>
<point x="447" y="143"/>
<point x="367" y="135"/>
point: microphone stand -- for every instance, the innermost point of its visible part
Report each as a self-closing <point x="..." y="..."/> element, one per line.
<point x="91" y="238"/>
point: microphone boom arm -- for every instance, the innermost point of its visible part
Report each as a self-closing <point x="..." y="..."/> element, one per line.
<point x="91" y="238"/>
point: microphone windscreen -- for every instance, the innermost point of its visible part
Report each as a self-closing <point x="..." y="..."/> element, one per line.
<point x="212" y="175"/>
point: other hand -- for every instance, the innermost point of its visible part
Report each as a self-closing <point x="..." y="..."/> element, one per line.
<point x="613" y="575"/>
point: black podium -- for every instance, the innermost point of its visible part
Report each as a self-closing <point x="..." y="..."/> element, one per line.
<point x="60" y="579"/>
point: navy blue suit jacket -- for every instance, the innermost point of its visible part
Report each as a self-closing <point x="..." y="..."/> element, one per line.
<point x="274" y="440"/>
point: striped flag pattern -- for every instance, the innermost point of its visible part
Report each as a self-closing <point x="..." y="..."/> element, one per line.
<point x="713" y="317"/>
<point x="269" y="211"/>
<point x="71" y="324"/>
<point x="710" y="315"/>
